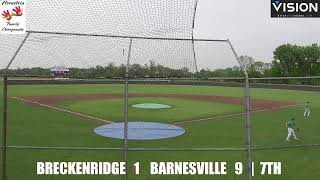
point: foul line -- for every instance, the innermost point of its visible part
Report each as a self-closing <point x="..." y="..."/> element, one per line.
<point x="63" y="110"/>
<point x="177" y="123"/>
<point x="233" y="115"/>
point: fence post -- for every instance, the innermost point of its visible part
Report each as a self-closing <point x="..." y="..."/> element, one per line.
<point x="4" y="126"/>
<point x="248" y="126"/>
<point x="126" y="111"/>
<point x="247" y="113"/>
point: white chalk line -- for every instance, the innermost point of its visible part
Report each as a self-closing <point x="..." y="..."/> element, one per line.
<point x="63" y="110"/>
<point x="232" y="115"/>
<point x="178" y="123"/>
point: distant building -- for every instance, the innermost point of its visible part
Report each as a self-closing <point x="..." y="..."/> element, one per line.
<point x="59" y="72"/>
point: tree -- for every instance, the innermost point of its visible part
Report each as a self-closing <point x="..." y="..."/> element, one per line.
<point x="294" y="60"/>
<point x="246" y="62"/>
<point x="259" y="66"/>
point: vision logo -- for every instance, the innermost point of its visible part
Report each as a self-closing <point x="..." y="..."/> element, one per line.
<point x="295" y="8"/>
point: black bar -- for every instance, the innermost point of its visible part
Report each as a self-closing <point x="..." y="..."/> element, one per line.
<point x="194" y="14"/>
<point x="18" y="50"/>
<point x="192" y="36"/>
<point x="126" y="37"/>
<point x="5" y="123"/>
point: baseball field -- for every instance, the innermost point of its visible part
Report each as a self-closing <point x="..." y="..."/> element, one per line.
<point x="212" y="116"/>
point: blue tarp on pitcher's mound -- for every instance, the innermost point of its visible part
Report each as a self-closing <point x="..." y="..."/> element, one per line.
<point x="140" y="131"/>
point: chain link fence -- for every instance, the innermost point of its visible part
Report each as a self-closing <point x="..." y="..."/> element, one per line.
<point x="273" y="101"/>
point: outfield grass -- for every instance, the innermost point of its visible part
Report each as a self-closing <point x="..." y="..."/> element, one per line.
<point x="181" y="110"/>
<point x="61" y="129"/>
<point x="271" y="94"/>
<point x="38" y="126"/>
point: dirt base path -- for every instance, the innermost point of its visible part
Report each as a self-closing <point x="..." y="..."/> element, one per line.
<point x="255" y="103"/>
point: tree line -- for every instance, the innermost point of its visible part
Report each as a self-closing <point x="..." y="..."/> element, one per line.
<point x="288" y="60"/>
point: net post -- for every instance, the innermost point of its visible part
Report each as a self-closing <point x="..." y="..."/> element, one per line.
<point x="192" y="37"/>
<point x="18" y="50"/>
<point x="126" y="111"/>
<point x="247" y="97"/>
<point x="127" y="37"/>
<point x="4" y="126"/>
<point x="5" y="109"/>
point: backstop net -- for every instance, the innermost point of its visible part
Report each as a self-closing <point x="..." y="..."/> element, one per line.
<point x="119" y="76"/>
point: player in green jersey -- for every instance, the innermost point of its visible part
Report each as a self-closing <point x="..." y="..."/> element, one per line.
<point x="307" y="109"/>
<point x="291" y="125"/>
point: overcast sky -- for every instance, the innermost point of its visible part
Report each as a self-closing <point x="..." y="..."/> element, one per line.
<point x="248" y="25"/>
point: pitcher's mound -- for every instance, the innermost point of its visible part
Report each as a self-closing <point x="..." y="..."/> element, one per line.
<point x="151" y="106"/>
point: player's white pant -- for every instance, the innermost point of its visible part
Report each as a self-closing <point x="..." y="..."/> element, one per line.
<point x="307" y="112"/>
<point x="291" y="133"/>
